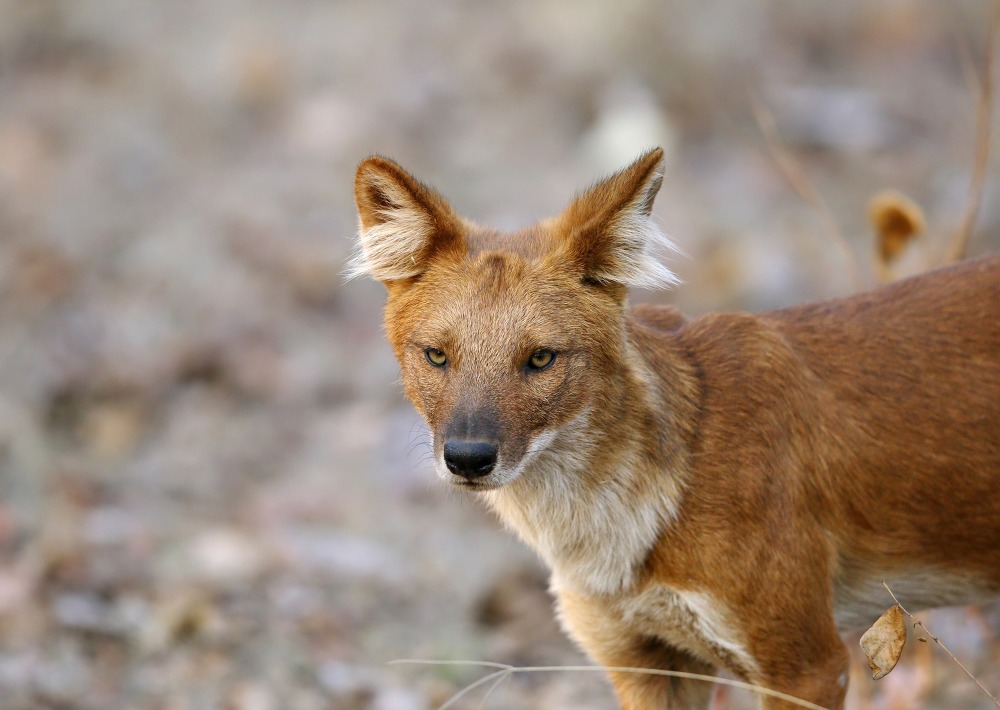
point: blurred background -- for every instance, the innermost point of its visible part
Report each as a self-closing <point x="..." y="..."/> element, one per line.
<point x="212" y="494"/>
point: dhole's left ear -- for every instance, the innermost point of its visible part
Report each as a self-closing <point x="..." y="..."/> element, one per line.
<point x="403" y="223"/>
<point x="608" y="231"/>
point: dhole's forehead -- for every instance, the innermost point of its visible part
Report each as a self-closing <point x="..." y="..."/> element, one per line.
<point x="529" y="243"/>
<point x="500" y="297"/>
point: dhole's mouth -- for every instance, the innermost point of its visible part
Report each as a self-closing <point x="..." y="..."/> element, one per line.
<point x="475" y="485"/>
<point x="498" y="477"/>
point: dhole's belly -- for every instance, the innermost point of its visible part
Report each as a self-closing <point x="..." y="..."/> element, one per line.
<point x="859" y="598"/>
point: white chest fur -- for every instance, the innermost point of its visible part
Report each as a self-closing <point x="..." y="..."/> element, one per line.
<point x="591" y="528"/>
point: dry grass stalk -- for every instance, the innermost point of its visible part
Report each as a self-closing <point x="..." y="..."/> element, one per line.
<point x="959" y="242"/>
<point x="935" y="639"/>
<point x="797" y="179"/>
<point x="504" y="671"/>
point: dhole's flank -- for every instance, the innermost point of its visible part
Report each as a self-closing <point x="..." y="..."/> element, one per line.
<point x="721" y="492"/>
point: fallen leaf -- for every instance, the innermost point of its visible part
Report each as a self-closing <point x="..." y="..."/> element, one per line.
<point x="182" y="616"/>
<point x="883" y="642"/>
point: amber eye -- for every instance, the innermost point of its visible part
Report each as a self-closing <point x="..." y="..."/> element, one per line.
<point x="436" y="357"/>
<point x="541" y="359"/>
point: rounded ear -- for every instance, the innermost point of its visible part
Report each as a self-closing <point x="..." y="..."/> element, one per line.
<point x="402" y="222"/>
<point x="608" y="231"/>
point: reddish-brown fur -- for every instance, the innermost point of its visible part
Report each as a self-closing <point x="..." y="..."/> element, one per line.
<point x="716" y="492"/>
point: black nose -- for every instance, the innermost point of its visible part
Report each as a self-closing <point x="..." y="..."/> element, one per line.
<point x="470" y="459"/>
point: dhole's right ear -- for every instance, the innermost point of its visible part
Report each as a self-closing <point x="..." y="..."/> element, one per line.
<point x="403" y="223"/>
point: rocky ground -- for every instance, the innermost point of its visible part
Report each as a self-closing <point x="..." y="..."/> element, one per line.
<point x="212" y="494"/>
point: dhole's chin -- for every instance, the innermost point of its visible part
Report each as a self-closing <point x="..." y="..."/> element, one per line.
<point x="497" y="478"/>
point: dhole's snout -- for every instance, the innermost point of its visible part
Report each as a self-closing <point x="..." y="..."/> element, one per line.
<point x="470" y="459"/>
<point x="471" y="443"/>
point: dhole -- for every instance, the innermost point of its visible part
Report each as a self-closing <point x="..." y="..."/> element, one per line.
<point x="721" y="492"/>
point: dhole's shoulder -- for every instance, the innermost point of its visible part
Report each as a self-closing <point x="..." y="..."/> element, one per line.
<point x="666" y="326"/>
<point x="665" y="318"/>
<point x="729" y="344"/>
<point x="735" y="336"/>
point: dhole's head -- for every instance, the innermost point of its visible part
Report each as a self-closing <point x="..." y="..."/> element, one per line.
<point x="506" y="341"/>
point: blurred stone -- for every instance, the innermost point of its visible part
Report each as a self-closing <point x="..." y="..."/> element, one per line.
<point x="42" y="275"/>
<point x="628" y="122"/>
<point x="314" y="275"/>
<point x="60" y="543"/>
<point x="261" y="68"/>
<point x="227" y="555"/>
<point x="63" y="676"/>
<point x="836" y="118"/>
<point x="27" y="164"/>
<point x="18" y="583"/>
<point x="905" y="687"/>
<point x="8" y="524"/>
<point x="87" y="612"/>
<point x="255" y="368"/>
<point x="251" y="696"/>
<point x="398" y="699"/>
<point x="297" y="601"/>
<point x="584" y="691"/>
<point x="16" y="672"/>
<point x="339" y="555"/>
<point x="518" y="608"/>
<point x="111" y="525"/>
<point x="347" y="682"/>
<point x="327" y="124"/>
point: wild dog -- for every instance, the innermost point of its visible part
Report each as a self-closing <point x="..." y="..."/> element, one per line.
<point x="721" y="492"/>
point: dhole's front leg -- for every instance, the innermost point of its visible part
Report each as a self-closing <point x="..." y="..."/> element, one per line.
<point x="602" y="637"/>
<point x="797" y="652"/>
<point x="816" y="673"/>
<point x="644" y="691"/>
<point x="795" y="644"/>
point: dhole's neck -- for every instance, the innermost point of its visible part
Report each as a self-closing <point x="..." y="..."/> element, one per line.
<point x="597" y="498"/>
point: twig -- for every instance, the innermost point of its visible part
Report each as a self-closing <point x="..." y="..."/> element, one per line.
<point x="959" y="242"/>
<point x="918" y="622"/>
<point x="506" y="671"/>
<point x="800" y="183"/>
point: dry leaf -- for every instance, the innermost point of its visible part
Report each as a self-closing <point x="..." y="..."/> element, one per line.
<point x="896" y="219"/>
<point x="111" y="429"/>
<point x="182" y="616"/>
<point x="883" y="642"/>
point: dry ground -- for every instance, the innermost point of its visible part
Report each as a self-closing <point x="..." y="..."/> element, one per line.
<point x="211" y="492"/>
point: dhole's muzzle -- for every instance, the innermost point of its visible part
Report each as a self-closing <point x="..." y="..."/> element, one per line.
<point x="471" y="446"/>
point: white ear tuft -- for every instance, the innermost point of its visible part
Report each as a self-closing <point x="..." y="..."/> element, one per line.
<point x="639" y="243"/>
<point x="610" y="231"/>
<point x="392" y="247"/>
<point x="399" y="221"/>
<point x="640" y="266"/>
